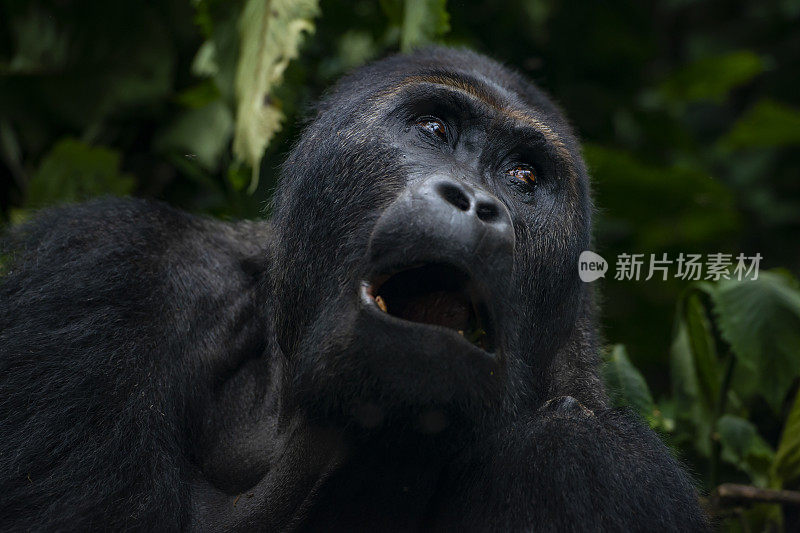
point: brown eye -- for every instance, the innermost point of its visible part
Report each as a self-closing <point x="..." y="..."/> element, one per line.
<point x="434" y="126"/>
<point x="523" y="173"/>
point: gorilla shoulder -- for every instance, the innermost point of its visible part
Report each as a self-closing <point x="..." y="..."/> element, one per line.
<point x="110" y="313"/>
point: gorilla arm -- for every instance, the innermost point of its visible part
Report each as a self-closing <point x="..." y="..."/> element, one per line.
<point x="569" y="469"/>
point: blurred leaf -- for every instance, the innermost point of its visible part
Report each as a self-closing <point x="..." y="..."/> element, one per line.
<point x="354" y="48"/>
<point x="147" y="74"/>
<point x="199" y="95"/>
<point x="41" y="43"/>
<point x="205" y="60"/>
<point x="767" y="123"/>
<point x="202" y="133"/>
<point x="217" y="57"/>
<point x="712" y="78"/>
<point x="744" y="447"/>
<point x="760" y="319"/>
<point x="692" y="206"/>
<point x="423" y="22"/>
<point x="787" y="459"/>
<point x="238" y="176"/>
<point x="75" y="171"/>
<point x="539" y="13"/>
<point x="393" y="9"/>
<point x="11" y="152"/>
<point x="626" y="386"/>
<point x="271" y="34"/>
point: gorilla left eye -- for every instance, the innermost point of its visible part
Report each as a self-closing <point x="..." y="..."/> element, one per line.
<point x="433" y="126"/>
<point x="524" y="173"/>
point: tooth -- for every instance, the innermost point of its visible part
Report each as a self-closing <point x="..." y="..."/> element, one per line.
<point x="381" y="303"/>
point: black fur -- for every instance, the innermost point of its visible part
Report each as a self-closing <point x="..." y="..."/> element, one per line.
<point x="161" y="371"/>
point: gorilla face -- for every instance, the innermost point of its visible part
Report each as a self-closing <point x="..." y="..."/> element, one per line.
<point x="439" y="216"/>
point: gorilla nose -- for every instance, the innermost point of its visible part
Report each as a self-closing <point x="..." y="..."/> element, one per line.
<point x="448" y="218"/>
<point x="468" y="217"/>
<point x="472" y="203"/>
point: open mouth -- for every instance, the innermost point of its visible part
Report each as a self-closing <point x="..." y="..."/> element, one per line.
<point x="438" y="295"/>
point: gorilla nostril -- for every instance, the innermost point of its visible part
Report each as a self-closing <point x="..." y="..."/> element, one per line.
<point x="487" y="211"/>
<point x="454" y="195"/>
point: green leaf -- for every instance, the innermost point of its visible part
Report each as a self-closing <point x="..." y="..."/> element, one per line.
<point x="76" y="171"/>
<point x="694" y="367"/>
<point x="787" y="459"/>
<point x="701" y="340"/>
<point x="760" y="319"/>
<point x="423" y="22"/>
<point x="767" y="123"/>
<point x="712" y="78"/>
<point x="202" y="133"/>
<point x="271" y="34"/>
<point x="743" y="447"/>
<point x="625" y="384"/>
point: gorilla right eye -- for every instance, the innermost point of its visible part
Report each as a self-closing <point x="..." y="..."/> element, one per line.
<point x="523" y="173"/>
<point x="433" y="126"/>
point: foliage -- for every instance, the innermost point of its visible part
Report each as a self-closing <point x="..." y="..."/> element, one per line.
<point x="271" y="33"/>
<point x="73" y="171"/>
<point x="735" y="369"/>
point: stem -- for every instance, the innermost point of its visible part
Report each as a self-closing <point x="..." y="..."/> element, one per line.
<point x="731" y="495"/>
<point x="722" y="403"/>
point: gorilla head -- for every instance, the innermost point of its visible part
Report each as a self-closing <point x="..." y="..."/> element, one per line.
<point x="428" y="226"/>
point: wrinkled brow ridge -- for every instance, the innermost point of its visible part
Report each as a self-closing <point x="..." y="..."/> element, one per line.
<point x="463" y="86"/>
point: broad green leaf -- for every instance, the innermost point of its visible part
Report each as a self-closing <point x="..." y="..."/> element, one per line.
<point x="625" y="384"/>
<point x="760" y="319"/>
<point x="423" y="22"/>
<point x="76" y="171"/>
<point x="767" y="123"/>
<point x="743" y="447"/>
<point x="202" y="133"/>
<point x="271" y="34"/>
<point x="712" y="78"/>
<point x="787" y="459"/>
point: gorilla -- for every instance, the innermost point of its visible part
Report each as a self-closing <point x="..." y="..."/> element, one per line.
<point x="405" y="345"/>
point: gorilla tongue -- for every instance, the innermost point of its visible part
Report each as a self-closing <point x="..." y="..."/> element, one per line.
<point x="430" y="294"/>
<point x="440" y="308"/>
